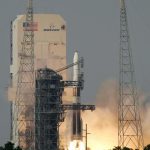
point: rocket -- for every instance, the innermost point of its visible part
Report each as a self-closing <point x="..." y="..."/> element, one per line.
<point x="76" y="118"/>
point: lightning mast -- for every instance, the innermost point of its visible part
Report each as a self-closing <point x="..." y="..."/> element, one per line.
<point x="129" y="123"/>
<point x="23" y="122"/>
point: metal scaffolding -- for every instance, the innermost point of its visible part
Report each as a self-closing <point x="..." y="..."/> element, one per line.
<point x="48" y="112"/>
<point x="129" y="123"/>
<point x="49" y="109"/>
<point x="23" y="108"/>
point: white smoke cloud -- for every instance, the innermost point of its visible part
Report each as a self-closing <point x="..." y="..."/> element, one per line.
<point x="103" y="122"/>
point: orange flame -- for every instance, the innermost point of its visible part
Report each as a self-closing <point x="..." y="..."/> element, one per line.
<point x="76" y="145"/>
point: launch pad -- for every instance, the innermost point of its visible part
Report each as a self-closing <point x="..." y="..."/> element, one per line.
<point x="38" y="102"/>
<point x="50" y="110"/>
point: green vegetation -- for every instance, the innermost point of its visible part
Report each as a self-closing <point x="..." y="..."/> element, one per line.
<point x="117" y="148"/>
<point x="126" y="148"/>
<point x="147" y="147"/>
<point x="9" y="146"/>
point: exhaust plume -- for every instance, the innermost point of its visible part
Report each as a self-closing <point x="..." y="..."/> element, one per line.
<point x="103" y="122"/>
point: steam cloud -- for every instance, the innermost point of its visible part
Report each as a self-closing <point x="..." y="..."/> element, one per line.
<point x="103" y="122"/>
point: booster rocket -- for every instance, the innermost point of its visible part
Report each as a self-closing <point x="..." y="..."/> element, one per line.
<point x="77" y="120"/>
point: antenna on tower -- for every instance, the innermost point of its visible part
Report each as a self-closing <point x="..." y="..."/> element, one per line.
<point x="23" y="122"/>
<point x="129" y="122"/>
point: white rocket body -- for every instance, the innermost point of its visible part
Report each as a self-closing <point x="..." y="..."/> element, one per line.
<point x="75" y="67"/>
<point x="76" y="118"/>
<point x="76" y="72"/>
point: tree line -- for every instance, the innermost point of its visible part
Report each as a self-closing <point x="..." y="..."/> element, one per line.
<point x="9" y="146"/>
<point x="126" y="148"/>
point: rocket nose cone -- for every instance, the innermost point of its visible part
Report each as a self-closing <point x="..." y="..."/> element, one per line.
<point x="76" y="57"/>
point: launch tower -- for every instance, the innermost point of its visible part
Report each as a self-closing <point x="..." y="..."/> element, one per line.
<point x="43" y="46"/>
<point x="129" y="123"/>
<point x="24" y="118"/>
<point x="48" y="112"/>
<point x="49" y="51"/>
<point x="49" y="108"/>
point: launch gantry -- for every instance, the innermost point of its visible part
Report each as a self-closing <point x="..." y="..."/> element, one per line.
<point x="23" y="120"/>
<point x="38" y="113"/>
<point x="49" y="108"/>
